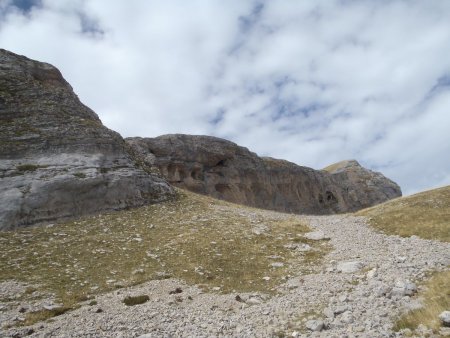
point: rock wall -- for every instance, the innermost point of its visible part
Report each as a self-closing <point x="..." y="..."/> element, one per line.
<point x="57" y="160"/>
<point x="224" y="170"/>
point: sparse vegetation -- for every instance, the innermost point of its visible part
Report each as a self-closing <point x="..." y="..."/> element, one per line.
<point x="426" y="215"/>
<point x="28" y="167"/>
<point x="41" y="315"/>
<point x="333" y="167"/>
<point x="80" y="175"/>
<point x="436" y="298"/>
<point x="203" y="241"/>
<point x="136" y="300"/>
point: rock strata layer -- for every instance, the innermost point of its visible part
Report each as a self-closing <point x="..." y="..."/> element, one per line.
<point x="224" y="170"/>
<point x="57" y="160"/>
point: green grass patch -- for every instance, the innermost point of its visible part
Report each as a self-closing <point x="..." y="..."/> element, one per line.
<point x="426" y="215"/>
<point x="436" y="298"/>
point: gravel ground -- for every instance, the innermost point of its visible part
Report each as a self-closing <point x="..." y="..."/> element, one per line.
<point x="363" y="285"/>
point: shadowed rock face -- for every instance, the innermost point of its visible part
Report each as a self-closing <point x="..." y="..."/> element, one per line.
<point x="224" y="170"/>
<point x="57" y="160"/>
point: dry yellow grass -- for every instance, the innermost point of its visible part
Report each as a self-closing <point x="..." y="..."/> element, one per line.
<point x="436" y="298"/>
<point x="426" y="215"/>
<point x="195" y="238"/>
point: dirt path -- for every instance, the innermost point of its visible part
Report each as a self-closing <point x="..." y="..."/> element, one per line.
<point x="357" y="299"/>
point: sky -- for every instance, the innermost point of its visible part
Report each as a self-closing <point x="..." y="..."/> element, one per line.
<point x="312" y="82"/>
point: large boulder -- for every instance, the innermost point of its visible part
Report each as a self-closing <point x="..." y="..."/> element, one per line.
<point x="57" y="160"/>
<point x="224" y="170"/>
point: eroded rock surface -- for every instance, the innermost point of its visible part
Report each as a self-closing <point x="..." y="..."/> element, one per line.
<point x="224" y="170"/>
<point x="57" y="160"/>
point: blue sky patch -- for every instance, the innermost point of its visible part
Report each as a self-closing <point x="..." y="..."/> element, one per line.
<point x="26" y="5"/>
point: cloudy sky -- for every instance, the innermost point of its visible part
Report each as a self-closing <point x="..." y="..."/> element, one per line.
<point x="313" y="82"/>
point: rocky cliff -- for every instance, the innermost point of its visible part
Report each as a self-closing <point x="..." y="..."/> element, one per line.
<point x="224" y="170"/>
<point x="57" y="160"/>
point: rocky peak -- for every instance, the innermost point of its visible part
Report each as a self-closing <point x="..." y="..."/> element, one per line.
<point x="57" y="160"/>
<point x="342" y="166"/>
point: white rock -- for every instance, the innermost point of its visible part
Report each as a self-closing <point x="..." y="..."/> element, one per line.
<point x="404" y="288"/>
<point x="423" y="330"/>
<point x="304" y="248"/>
<point x="51" y="307"/>
<point x="329" y="313"/>
<point x="347" y="317"/>
<point x="253" y="301"/>
<point x="372" y="273"/>
<point x="445" y="318"/>
<point x="277" y="265"/>
<point x="316" y="235"/>
<point x="444" y="331"/>
<point x="401" y="259"/>
<point x="340" y="309"/>
<point x="414" y="304"/>
<point x="359" y="329"/>
<point x="350" y="267"/>
<point x="343" y="298"/>
<point x="314" y="325"/>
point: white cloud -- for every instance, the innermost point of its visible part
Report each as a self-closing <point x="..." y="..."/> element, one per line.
<point x="312" y="82"/>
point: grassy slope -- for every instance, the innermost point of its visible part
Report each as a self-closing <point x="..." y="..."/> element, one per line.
<point x="426" y="215"/>
<point x="194" y="238"/>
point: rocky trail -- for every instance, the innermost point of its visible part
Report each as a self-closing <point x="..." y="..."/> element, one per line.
<point x="366" y="280"/>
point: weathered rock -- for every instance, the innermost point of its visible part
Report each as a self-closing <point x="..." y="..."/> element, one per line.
<point x="224" y="170"/>
<point x="316" y="236"/>
<point x="404" y="288"/>
<point x="57" y="159"/>
<point x="372" y="273"/>
<point x="277" y="265"/>
<point x="314" y="325"/>
<point x="329" y="313"/>
<point x="253" y="301"/>
<point x="340" y="309"/>
<point x="445" y="318"/>
<point x="350" y="267"/>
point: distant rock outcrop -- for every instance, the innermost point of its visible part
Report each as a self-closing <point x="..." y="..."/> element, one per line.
<point x="57" y="160"/>
<point x="224" y="170"/>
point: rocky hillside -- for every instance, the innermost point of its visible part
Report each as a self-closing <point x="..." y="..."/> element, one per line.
<point x="224" y="170"/>
<point x="200" y="267"/>
<point x="57" y="160"/>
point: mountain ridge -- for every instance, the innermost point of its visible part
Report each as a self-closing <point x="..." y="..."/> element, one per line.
<point x="58" y="161"/>
<point x="225" y="170"/>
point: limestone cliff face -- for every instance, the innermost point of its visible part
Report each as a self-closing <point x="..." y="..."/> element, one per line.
<point x="224" y="170"/>
<point x="57" y="160"/>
